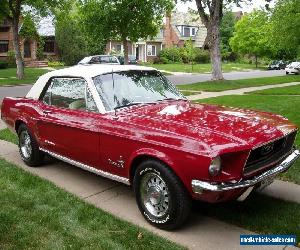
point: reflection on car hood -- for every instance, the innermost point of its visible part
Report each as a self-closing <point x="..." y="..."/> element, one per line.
<point x="216" y="128"/>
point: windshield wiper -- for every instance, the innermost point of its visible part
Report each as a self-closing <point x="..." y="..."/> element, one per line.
<point x="128" y="105"/>
<point x="172" y="99"/>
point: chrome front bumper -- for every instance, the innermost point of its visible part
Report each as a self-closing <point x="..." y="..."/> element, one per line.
<point x="200" y="186"/>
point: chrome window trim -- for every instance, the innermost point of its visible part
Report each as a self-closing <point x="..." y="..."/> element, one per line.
<point x="96" y="95"/>
<point x="88" y="168"/>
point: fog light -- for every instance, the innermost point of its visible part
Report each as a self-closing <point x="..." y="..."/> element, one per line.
<point x="215" y="166"/>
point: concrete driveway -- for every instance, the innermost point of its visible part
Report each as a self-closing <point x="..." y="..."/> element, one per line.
<point x="199" y="233"/>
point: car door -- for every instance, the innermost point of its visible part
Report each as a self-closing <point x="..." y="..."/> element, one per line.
<point x="69" y="124"/>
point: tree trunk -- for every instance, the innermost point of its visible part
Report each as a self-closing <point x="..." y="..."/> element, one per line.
<point x="256" y="62"/>
<point x="215" y="53"/>
<point x="16" y="43"/>
<point x="125" y="46"/>
<point x="212" y="22"/>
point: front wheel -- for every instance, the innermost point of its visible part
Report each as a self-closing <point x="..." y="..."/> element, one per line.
<point x="161" y="197"/>
<point x="28" y="147"/>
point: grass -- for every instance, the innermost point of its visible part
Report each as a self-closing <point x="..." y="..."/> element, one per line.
<point x="8" y="76"/>
<point x="35" y="214"/>
<point x="216" y="86"/>
<point x="267" y="103"/>
<point x="6" y="135"/>
<point x="291" y="90"/>
<point x="187" y="93"/>
<point x="203" y="68"/>
<point x="258" y="213"/>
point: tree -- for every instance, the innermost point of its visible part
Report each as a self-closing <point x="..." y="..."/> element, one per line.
<point x="11" y="10"/>
<point x="285" y="29"/>
<point x="226" y="32"/>
<point x="252" y="34"/>
<point x="68" y="31"/>
<point x="124" y="20"/>
<point x="211" y="14"/>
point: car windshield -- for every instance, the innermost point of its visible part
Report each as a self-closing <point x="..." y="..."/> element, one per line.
<point x="132" y="87"/>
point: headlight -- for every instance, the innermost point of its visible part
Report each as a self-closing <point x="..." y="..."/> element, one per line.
<point x="215" y="167"/>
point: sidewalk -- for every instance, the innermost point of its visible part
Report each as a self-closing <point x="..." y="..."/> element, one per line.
<point x="199" y="233"/>
<point x="242" y="91"/>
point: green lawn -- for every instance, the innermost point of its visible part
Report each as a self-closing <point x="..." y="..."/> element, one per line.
<point x="35" y="214"/>
<point x="216" y="86"/>
<point x="6" y="135"/>
<point x="258" y="213"/>
<point x="202" y="68"/>
<point x="8" y="76"/>
<point x="275" y="104"/>
<point x="291" y="90"/>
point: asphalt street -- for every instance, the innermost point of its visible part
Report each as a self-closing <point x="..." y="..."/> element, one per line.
<point x="193" y="78"/>
<point x="176" y="79"/>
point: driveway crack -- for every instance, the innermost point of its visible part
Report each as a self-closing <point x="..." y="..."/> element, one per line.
<point x="102" y="191"/>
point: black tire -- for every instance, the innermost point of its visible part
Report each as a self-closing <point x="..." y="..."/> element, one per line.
<point x="33" y="158"/>
<point x="286" y="73"/>
<point x="178" y="202"/>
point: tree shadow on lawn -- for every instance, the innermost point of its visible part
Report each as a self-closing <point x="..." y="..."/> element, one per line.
<point x="258" y="213"/>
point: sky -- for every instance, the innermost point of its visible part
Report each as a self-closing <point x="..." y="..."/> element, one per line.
<point x="245" y="7"/>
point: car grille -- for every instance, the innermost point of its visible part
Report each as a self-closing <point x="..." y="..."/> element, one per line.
<point x="269" y="154"/>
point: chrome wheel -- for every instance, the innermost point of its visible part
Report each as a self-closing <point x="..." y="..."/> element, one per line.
<point x="25" y="144"/>
<point x="154" y="194"/>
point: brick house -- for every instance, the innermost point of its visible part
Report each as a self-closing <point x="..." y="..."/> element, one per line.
<point x="179" y="27"/>
<point x="28" y="46"/>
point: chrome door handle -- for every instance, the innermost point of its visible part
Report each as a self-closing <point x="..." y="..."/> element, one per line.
<point x="47" y="111"/>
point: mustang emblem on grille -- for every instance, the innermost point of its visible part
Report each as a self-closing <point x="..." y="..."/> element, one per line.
<point x="267" y="149"/>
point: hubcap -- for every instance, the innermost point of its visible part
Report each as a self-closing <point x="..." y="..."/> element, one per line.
<point x="25" y="144"/>
<point x="154" y="194"/>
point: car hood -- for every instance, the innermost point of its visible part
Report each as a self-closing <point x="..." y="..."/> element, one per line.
<point x="217" y="129"/>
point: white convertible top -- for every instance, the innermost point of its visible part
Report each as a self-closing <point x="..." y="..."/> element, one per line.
<point x="86" y="71"/>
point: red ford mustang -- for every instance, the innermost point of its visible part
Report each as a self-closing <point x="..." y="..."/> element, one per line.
<point x="130" y="124"/>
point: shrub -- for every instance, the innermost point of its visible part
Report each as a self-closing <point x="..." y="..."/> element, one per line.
<point x="3" y="65"/>
<point x="55" y="64"/>
<point x="171" y="54"/>
<point x="202" y="56"/>
<point x="11" y="59"/>
<point x="40" y="48"/>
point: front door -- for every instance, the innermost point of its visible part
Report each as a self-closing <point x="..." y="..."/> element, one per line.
<point x="27" y="49"/>
<point x="69" y="123"/>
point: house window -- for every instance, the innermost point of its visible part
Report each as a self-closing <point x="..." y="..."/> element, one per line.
<point x="193" y="31"/>
<point x="187" y="31"/>
<point x="3" y="46"/>
<point x="151" y="50"/>
<point x="117" y="47"/>
<point x="49" y="46"/>
<point x="4" y="29"/>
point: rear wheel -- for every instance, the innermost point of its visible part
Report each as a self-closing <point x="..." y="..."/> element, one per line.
<point x="28" y="147"/>
<point x="161" y="197"/>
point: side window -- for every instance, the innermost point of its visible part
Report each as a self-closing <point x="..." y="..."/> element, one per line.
<point x="66" y="93"/>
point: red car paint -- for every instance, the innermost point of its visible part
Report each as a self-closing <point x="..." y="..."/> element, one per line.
<point x="186" y="142"/>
